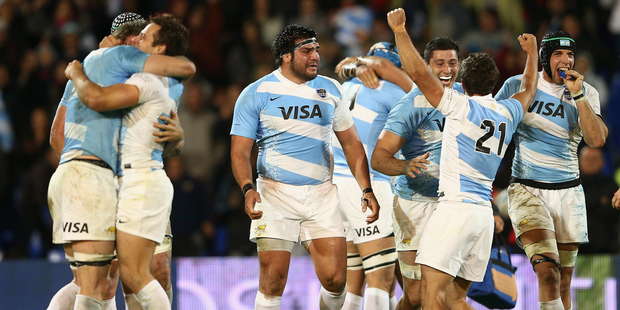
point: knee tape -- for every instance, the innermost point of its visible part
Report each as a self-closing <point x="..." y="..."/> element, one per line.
<point x="72" y="263"/>
<point x="272" y="244"/>
<point x="97" y="260"/>
<point x="542" y="246"/>
<point x="413" y="272"/>
<point x="378" y="260"/>
<point x="165" y="246"/>
<point x="354" y="261"/>
<point x="568" y="258"/>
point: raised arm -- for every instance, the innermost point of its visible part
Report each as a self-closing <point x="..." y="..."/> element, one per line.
<point x="594" y="130"/>
<point x="176" y="67"/>
<point x="100" y="99"/>
<point x="383" y="159"/>
<point x="530" y="72"/>
<point x="370" y="68"/>
<point x="358" y="163"/>
<point x="412" y="62"/>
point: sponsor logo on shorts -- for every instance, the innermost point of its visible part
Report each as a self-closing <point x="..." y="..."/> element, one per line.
<point x="367" y="231"/>
<point x="261" y="228"/>
<point x="407" y="241"/>
<point x="75" y="227"/>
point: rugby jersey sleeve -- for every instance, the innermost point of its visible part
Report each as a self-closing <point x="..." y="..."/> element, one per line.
<point x="147" y="85"/>
<point x="510" y="87"/>
<point x="127" y="59"/>
<point x="246" y="115"/>
<point x="342" y="116"/>
<point x="515" y="109"/>
<point x="453" y="104"/>
<point x="403" y="118"/>
<point x="67" y="93"/>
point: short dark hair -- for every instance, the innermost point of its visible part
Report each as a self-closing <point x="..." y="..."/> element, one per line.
<point x="479" y="74"/>
<point x="284" y="42"/>
<point x="440" y="44"/>
<point x="130" y="28"/>
<point x="172" y="34"/>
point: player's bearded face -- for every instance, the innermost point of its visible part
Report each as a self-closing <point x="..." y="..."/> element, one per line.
<point x="561" y="60"/>
<point x="305" y="61"/>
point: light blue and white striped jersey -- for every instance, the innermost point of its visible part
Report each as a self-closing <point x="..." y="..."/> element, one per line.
<point x="476" y="135"/>
<point x="417" y="122"/>
<point x="292" y="125"/>
<point x="88" y="132"/>
<point x="369" y="108"/>
<point x="137" y="147"/>
<point x="547" y="139"/>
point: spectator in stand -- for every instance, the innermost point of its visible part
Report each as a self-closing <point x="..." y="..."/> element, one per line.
<point x="191" y="211"/>
<point x="603" y="221"/>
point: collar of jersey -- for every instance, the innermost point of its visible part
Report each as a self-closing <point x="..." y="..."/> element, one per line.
<point x="552" y="86"/>
<point x="286" y="81"/>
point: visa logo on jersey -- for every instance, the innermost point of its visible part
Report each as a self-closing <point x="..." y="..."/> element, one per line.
<point x="549" y="109"/>
<point x="302" y="112"/>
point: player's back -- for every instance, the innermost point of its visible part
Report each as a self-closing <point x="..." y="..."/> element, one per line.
<point x="158" y="96"/>
<point x="477" y="133"/>
<point x="369" y="108"/>
<point x="88" y="132"/>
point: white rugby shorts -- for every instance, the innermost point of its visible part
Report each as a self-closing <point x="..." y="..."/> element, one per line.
<point x="410" y="217"/>
<point x="350" y="196"/>
<point x="562" y="211"/>
<point x="144" y="203"/>
<point x="457" y="240"/>
<point x="82" y="200"/>
<point x="297" y="213"/>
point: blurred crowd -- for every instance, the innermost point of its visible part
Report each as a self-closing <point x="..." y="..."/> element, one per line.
<point x="230" y="45"/>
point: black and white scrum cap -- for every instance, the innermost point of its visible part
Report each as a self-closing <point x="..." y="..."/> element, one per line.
<point x="123" y="18"/>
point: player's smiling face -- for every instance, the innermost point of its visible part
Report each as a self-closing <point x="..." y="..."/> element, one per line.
<point x="561" y="60"/>
<point x="445" y="65"/>
<point x="144" y="41"/>
<point x="305" y="61"/>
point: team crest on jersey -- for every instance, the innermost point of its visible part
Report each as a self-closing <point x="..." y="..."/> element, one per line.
<point x="567" y="94"/>
<point x="322" y="92"/>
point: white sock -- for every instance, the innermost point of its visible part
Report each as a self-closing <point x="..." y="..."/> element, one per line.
<point x="169" y="293"/>
<point x="555" y="304"/>
<point x="64" y="298"/>
<point x="353" y="302"/>
<point x="153" y="297"/>
<point x="132" y="303"/>
<point x="266" y="302"/>
<point x="83" y="302"/>
<point x="331" y="301"/>
<point x="109" y="304"/>
<point x="393" y="302"/>
<point x="375" y="298"/>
